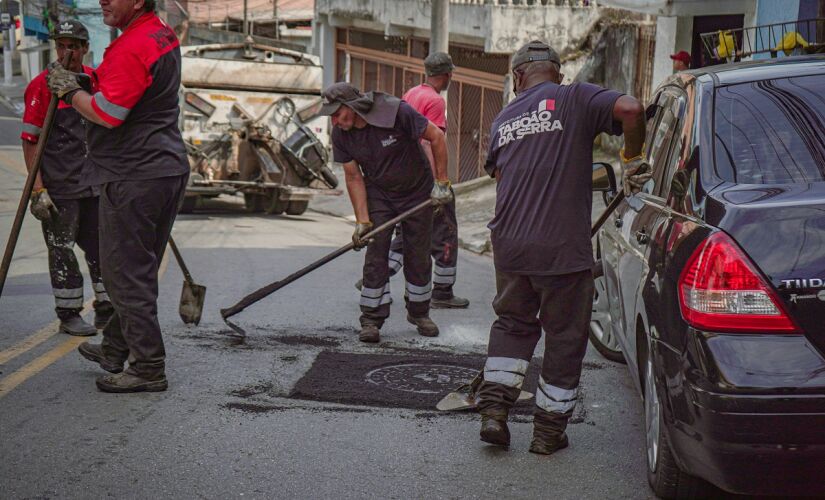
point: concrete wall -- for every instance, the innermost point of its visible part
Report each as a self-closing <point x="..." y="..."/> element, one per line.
<point x="562" y="27"/>
<point x="776" y="11"/>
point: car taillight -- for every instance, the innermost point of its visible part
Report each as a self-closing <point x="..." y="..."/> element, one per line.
<point x="721" y="290"/>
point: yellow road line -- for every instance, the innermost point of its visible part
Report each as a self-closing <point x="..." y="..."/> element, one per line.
<point x="34" y="339"/>
<point x="8" y="383"/>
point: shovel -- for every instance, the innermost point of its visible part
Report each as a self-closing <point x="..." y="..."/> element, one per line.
<point x="464" y="397"/>
<point x="192" y="295"/>
<point x="274" y="287"/>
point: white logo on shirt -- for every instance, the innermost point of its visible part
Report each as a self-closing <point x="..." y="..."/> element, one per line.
<point x="389" y="141"/>
<point x="527" y="123"/>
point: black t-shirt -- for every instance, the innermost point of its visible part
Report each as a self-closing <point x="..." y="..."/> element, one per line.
<point x="391" y="159"/>
<point x="542" y="145"/>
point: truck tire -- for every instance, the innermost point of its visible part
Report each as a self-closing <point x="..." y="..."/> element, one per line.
<point x="276" y="206"/>
<point x="329" y="177"/>
<point x="189" y="204"/>
<point x="297" y="207"/>
<point x="254" y="203"/>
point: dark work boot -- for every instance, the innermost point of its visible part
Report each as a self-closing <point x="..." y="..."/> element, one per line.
<point x="126" y="382"/>
<point x="424" y="324"/>
<point x="74" y="325"/>
<point x="451" y="303"/>
<point x="369" y="333"/>
<point x="94" y="353"/>
<point x="548" y="432"/>
<point x="494" y="427"/>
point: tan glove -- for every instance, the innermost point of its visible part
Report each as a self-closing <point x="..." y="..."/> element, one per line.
<point x="442" y="193"/>
<point x="42" y="206"/>
<point x="361" y="229"/>
<point x="62" y="82"/>
<point x="636" y="172"/>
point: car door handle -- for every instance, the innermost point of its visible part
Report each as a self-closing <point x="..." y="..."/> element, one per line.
<point x="617" y="222"/>
<point x="641" y="237"/>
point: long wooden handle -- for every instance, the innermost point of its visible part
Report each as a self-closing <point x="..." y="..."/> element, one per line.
<point x="27" y="188"/>
<point x="181" y="263"/>
<point x="614" y="203"/>
<point x="274" y="287"/>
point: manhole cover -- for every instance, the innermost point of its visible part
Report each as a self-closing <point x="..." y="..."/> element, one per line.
<point x="421" y="378"/>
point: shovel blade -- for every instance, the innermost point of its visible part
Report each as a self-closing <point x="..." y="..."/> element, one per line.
<point x="192" y="297"/>
<point x="457" y="401"/>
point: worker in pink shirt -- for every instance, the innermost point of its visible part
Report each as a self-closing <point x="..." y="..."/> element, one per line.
<point x="427" y="100"/>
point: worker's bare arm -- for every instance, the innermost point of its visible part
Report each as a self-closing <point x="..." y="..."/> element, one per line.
<point x="630" y="112"/>
<point x="29" y="149"/>
<point x="82" y="102"/>
<point x="438" y="143"/>
<point x="357" y="191"/>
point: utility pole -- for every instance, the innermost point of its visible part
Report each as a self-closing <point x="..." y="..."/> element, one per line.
<point x="440" y="26"/>
<point x="245" y="25"/>
<point x="9" y="45"/>
<point x="275" y="16"/>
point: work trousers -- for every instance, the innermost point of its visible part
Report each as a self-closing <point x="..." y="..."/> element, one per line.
<point x="561" y="305"/>
<point x="136" y="220"/>
<point x="76" y="222"/>
<point x="416" y="234"/>
<point x="444" y="251"/>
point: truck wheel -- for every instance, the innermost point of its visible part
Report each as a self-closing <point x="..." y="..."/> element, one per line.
<point x="188" y="205"/>
<point x="276" y="206"/>
<point x="297" y="207"/>
<point x="329" y="177"/>
<point x="254" y="202"/>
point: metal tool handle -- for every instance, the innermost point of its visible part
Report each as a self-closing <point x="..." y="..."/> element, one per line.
<point x="27" y="188"/>
<point x="181" y="264"/>
<point x="614" y="203"/>
<point x="273" y="287"/>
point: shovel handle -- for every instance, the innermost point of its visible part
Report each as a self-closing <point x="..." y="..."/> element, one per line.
<point x="181" y="263"/>
<point x="273" y="287"/>
<point x="27" y="188"/>
<point x="614" y="203"/>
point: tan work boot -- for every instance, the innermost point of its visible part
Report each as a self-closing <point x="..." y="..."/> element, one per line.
<point x="494" y="427"/>
<point x="548" y="432"/>
<point x="425" y="325"/>
<point x="369" y="333"/>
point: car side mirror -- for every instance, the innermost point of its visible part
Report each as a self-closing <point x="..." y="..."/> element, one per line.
<point x="604" y="178"/>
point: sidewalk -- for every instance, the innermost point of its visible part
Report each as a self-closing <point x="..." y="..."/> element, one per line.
<point x="12" y="96"/>
<point x="475" y="207"/>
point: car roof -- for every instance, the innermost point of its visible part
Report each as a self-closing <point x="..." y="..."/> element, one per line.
<point x="764" y="69"/>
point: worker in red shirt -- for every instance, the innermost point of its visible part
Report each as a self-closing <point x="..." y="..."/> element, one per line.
<point x="138" y="159"/>
<point x="66" y="208"/>
<point x="427" y="100"/>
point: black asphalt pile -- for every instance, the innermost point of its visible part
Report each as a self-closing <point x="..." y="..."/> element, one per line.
<point x="409" y="380"/>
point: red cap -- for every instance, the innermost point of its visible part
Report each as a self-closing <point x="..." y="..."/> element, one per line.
<point x="683" y="56"/>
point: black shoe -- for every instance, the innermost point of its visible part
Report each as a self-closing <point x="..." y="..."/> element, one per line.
<point x="75" y="325"/>
<point x="126" y="382"/>
<point x="425" y="326"/>
<point x="547" y="444"/>
<point x="451" y="303"/>
<point x="369" y="333"/>
<point x="102" y="317"/>
<point x="494" y="429"/>
<point x="94" y="353"/>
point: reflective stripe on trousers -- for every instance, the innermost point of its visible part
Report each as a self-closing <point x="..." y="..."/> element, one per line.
<point x="505" y="371"/>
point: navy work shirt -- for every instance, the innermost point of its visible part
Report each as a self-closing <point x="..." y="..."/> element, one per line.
<point x="542" y="146"/>
<point x="391" y="159"/>
<point x="138" y="84"/>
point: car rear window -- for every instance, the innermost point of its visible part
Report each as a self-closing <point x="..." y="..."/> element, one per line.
<point x="771" y="131"/>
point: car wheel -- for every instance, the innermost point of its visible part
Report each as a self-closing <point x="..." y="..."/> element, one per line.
<point x="664" y="476"/>
<point x="601" y="331"/>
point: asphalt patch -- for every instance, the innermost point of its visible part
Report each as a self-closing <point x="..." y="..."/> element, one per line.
<point x="416" y="382"/>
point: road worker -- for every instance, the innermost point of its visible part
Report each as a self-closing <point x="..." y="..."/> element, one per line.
<point x="541" y="154"/>
<point x="376" y="136"/>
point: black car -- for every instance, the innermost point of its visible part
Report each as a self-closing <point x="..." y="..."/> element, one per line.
<point x="711" y="281"/>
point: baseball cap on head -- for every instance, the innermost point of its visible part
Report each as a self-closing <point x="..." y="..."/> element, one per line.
<point x="438" y="63"/>
<point x="534" y="51"/>
<point x="70" y="29"/>
<point x="337" y="94"/>
<point x="682" y="56"/>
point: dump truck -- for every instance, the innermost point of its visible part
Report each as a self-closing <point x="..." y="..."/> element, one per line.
<point x="249" y="119"/>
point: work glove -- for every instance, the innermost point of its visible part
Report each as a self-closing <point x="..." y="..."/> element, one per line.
<point x="636" y="172"/>
<point x="42" y="206"/>
<point x="361" y="229"/>
<point x="441" y="193"/>
<point x="62" y="82"/>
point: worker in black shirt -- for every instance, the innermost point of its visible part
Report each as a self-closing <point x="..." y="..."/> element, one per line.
<point x="376" y="136"/>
